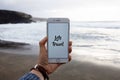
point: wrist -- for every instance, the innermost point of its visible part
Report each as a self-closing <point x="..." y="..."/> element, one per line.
<point x="41" y="70"/>
<point x="39" y="74"/>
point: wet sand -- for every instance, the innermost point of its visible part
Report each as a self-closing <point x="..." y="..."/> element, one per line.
<point x="13" y="66"/>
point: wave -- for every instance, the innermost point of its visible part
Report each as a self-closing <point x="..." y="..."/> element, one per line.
<point x="91" y="36"/>
<point x="99" y="24"/>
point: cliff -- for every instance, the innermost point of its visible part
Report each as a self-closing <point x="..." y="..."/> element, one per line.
<point x="7" y="16"/>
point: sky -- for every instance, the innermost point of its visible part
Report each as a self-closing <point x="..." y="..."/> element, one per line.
<point x="76" y="10"/>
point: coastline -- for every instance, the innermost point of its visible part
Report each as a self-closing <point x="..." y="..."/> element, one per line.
<point x="13" y="66"/>
<point x="11" y="44"/>
<point x="19" y="48"/>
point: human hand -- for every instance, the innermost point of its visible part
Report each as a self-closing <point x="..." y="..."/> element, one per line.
<point x="43" y="57"/>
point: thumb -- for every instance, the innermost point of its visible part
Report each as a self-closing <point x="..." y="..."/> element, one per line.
<point x="43" y="42"/>
<point x="42" y="46"/>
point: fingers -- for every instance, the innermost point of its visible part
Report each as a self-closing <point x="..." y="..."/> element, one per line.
<point x="70" y="49"/>
<point x="43" y="41"/>
<point x="70" y="43"/>
<point x="70" y="58"/>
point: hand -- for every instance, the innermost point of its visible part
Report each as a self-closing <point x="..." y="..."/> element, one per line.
<point x="43" y="57"/>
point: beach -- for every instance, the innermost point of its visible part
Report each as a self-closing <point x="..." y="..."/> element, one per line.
<point x="13" y="66"/>
<point x="95" y="55"/>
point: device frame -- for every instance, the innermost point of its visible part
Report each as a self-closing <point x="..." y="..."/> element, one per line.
<point x="58" y="20"/>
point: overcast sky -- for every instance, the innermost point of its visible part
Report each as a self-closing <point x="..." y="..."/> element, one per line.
<point x="76" y="10"/>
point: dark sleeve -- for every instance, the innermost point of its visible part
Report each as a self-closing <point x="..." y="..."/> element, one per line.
<point x="29" y="76"/>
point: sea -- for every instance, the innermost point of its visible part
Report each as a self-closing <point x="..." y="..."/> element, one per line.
<point x="98" y="41"/>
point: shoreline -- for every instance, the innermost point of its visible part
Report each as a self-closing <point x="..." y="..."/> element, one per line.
<point x="12" y="44"/>
<point x="19" y="64"/>
<point x="17" y="48"/>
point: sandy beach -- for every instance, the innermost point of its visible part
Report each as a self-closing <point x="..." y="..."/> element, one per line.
<point x="13" y="66"/>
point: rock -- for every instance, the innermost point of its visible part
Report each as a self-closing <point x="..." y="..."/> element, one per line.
<point x="11" y="44"/>
<point x="7" y="16"/>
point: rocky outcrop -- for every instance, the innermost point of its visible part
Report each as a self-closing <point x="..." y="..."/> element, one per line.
<point x="7" y="16"/>
<point x="11" y="44"/>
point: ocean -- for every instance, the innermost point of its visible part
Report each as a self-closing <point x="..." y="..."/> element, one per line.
<point x="98" y="42"/>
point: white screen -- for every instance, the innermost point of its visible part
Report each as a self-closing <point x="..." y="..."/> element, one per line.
<point x="58" y="35"/>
